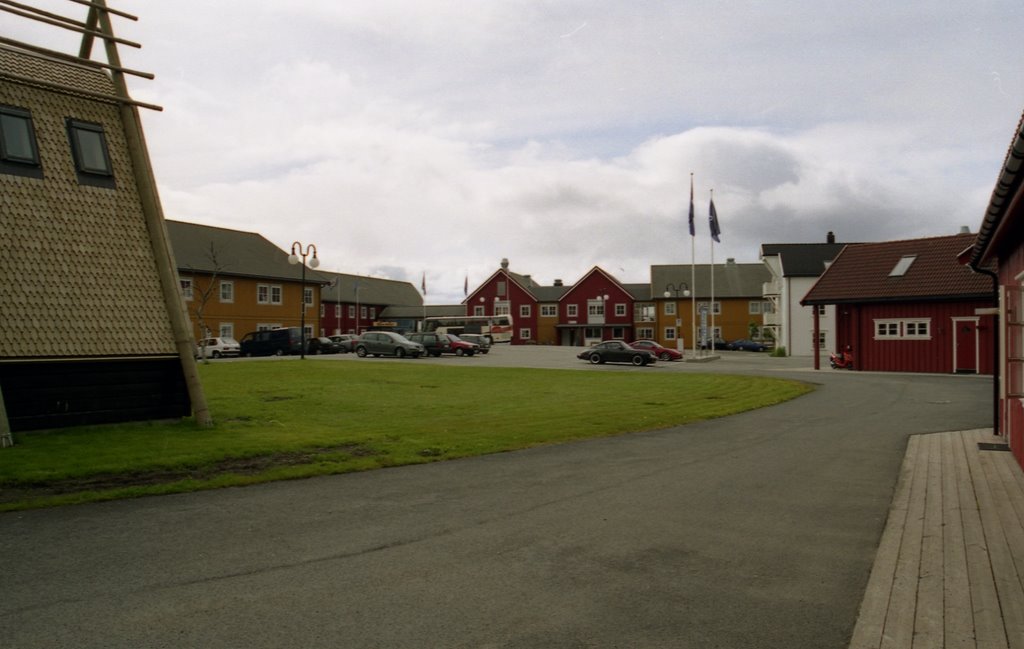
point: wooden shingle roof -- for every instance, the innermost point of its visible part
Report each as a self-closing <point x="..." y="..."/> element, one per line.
<point x="863" y="273"/>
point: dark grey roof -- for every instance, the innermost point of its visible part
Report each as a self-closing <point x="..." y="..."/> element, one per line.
<point x="208" y="249"/>
<point x="372" y="290"/>
<point x="638" y="291"/>
<point x="549" y="293"/>
<point x="802" y="259"/>
<point x="731" y="279"/>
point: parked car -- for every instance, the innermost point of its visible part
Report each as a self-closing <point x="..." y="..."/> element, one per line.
<point x="321" y="345"/>
<point x="747" y="345"/>
<point x="346" y="342"/>
<point x="378" y="343"/>
<point x="461" y="347"/>
<point x="217" y="347"/>
<point x="617" y="351"/>
<point x="482" y="342"/>
<point x="433" y="343"/>
<point x="663" y="353"/>
<point x="271" y="342"/>
<point x="719" y="344"/>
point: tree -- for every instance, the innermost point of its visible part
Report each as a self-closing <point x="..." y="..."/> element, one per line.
<point x="201" y="295"/>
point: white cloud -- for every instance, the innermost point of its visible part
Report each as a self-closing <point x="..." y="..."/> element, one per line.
<point x="440" y="136"/>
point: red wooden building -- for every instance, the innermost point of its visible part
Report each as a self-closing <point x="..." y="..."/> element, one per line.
<point x="1000" y="242"/>
<point x="910" y="306"/>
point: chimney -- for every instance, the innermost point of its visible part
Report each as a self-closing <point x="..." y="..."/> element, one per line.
<point x="730" y="261"/>
<point x="504" y="263"/>
<point x="558" y="282"/>
<point x="964" y="229"/>
<point x="830" y="237"/>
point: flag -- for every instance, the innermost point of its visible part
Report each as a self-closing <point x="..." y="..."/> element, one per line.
<point x="693" y="231"/>
<point x="423" y="284"/>
<point x="713" y="219"/>
<point x="465" y="286"/>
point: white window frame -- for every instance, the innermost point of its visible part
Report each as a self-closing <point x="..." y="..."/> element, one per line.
<point x="670" y="308"/>
<point x="351" y="311"/>
<point x="620" y="309"/>
<point x="917" y="324"/>
<point x="670" y="333"/>
<point x="549" y="310"/>
<point x="572" y="310"/>
<point x="524" y="310"/>
<point x="754" y="307"/>
<point x="645" y="312"/>
<point x="267" y="326"/>
<point x="892" y="329"/>
<point x="307" y="295"/>
<point x="226" y="329"/>
<point x="478" y="310"/>
<point x="187" y="290"/>
<point x="337" y="312"/>
<point x="502" y="307"/>
<point x="644" y="333"/>
<point x="525" y="334"/>
<point x="227" y="291"/>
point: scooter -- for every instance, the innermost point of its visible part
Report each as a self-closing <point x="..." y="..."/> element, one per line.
<point x="841" y="360"/>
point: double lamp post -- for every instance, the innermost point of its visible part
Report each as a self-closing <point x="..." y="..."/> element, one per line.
<point x="299" y="252"/>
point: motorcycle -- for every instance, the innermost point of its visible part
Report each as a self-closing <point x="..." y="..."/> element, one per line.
<point x="841" y="360"/>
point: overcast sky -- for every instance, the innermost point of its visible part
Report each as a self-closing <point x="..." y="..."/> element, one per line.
<point x="404" y="137"/>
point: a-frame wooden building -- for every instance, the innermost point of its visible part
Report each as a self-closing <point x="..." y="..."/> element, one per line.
<point x="92" y="325"/>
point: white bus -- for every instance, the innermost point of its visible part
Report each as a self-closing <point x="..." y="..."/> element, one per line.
<point x="496" y="327"/>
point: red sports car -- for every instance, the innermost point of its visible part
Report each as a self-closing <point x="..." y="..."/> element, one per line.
<point x="663" y="353"/>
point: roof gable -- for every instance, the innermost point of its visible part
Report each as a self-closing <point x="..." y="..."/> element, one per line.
<point x="863" y="272"/>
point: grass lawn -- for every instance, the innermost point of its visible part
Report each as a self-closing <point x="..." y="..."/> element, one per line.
<point x="281" y="420"/>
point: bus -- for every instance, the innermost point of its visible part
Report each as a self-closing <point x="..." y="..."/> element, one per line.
<point x="496" y="327"/>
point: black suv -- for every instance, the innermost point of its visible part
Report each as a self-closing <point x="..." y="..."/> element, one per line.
<point x="435" y="344"/>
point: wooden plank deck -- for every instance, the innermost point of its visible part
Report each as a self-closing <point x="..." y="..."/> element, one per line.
<point x="950" y="565"/>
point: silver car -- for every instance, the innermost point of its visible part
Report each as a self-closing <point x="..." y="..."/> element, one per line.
<point x="379" y="343"/>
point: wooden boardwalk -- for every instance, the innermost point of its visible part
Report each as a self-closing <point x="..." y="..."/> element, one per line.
<point x="950" y="566"/>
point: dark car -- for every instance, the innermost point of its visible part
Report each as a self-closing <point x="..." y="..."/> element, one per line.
<point x="434" y="343"/>
<point x="719" y="344"/>
<point x="271" y="342"/>
<point x="378" y="343"/>
<point x="460" y="347"/>
<point x="482" y="342"/>
<point x="663" y="353"/>
<point x="746" y="345"/>
<point x="321" y="345"/>
<point x="346" y="342"/>
<point x="617" y="351"/>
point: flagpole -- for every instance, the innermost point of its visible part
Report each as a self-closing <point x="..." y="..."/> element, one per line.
<point x="711" y="306"/>
<point x="693" y="276"/>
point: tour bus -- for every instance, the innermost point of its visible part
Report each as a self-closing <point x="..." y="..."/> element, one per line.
<point x="496" y="327"/>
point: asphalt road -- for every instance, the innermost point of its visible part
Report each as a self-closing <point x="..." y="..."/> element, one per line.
<point x="757" y="530"/>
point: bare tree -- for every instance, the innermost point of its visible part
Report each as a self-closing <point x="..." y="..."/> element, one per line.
<point x="201" y="295"/>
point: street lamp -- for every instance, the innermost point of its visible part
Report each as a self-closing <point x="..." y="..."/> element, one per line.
<point x="293" y="259"/>
<point x="683" y="288"/>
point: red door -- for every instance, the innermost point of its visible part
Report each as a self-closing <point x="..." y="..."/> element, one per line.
<point x="965" y="348"/>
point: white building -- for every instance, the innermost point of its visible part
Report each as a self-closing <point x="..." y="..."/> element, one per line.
<point x="794" y="268"/>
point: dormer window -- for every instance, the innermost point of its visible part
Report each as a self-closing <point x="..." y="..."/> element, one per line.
<point x="902" y="266"/>
<point x="19" y="154"/>
<point x="92" y="158"/>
